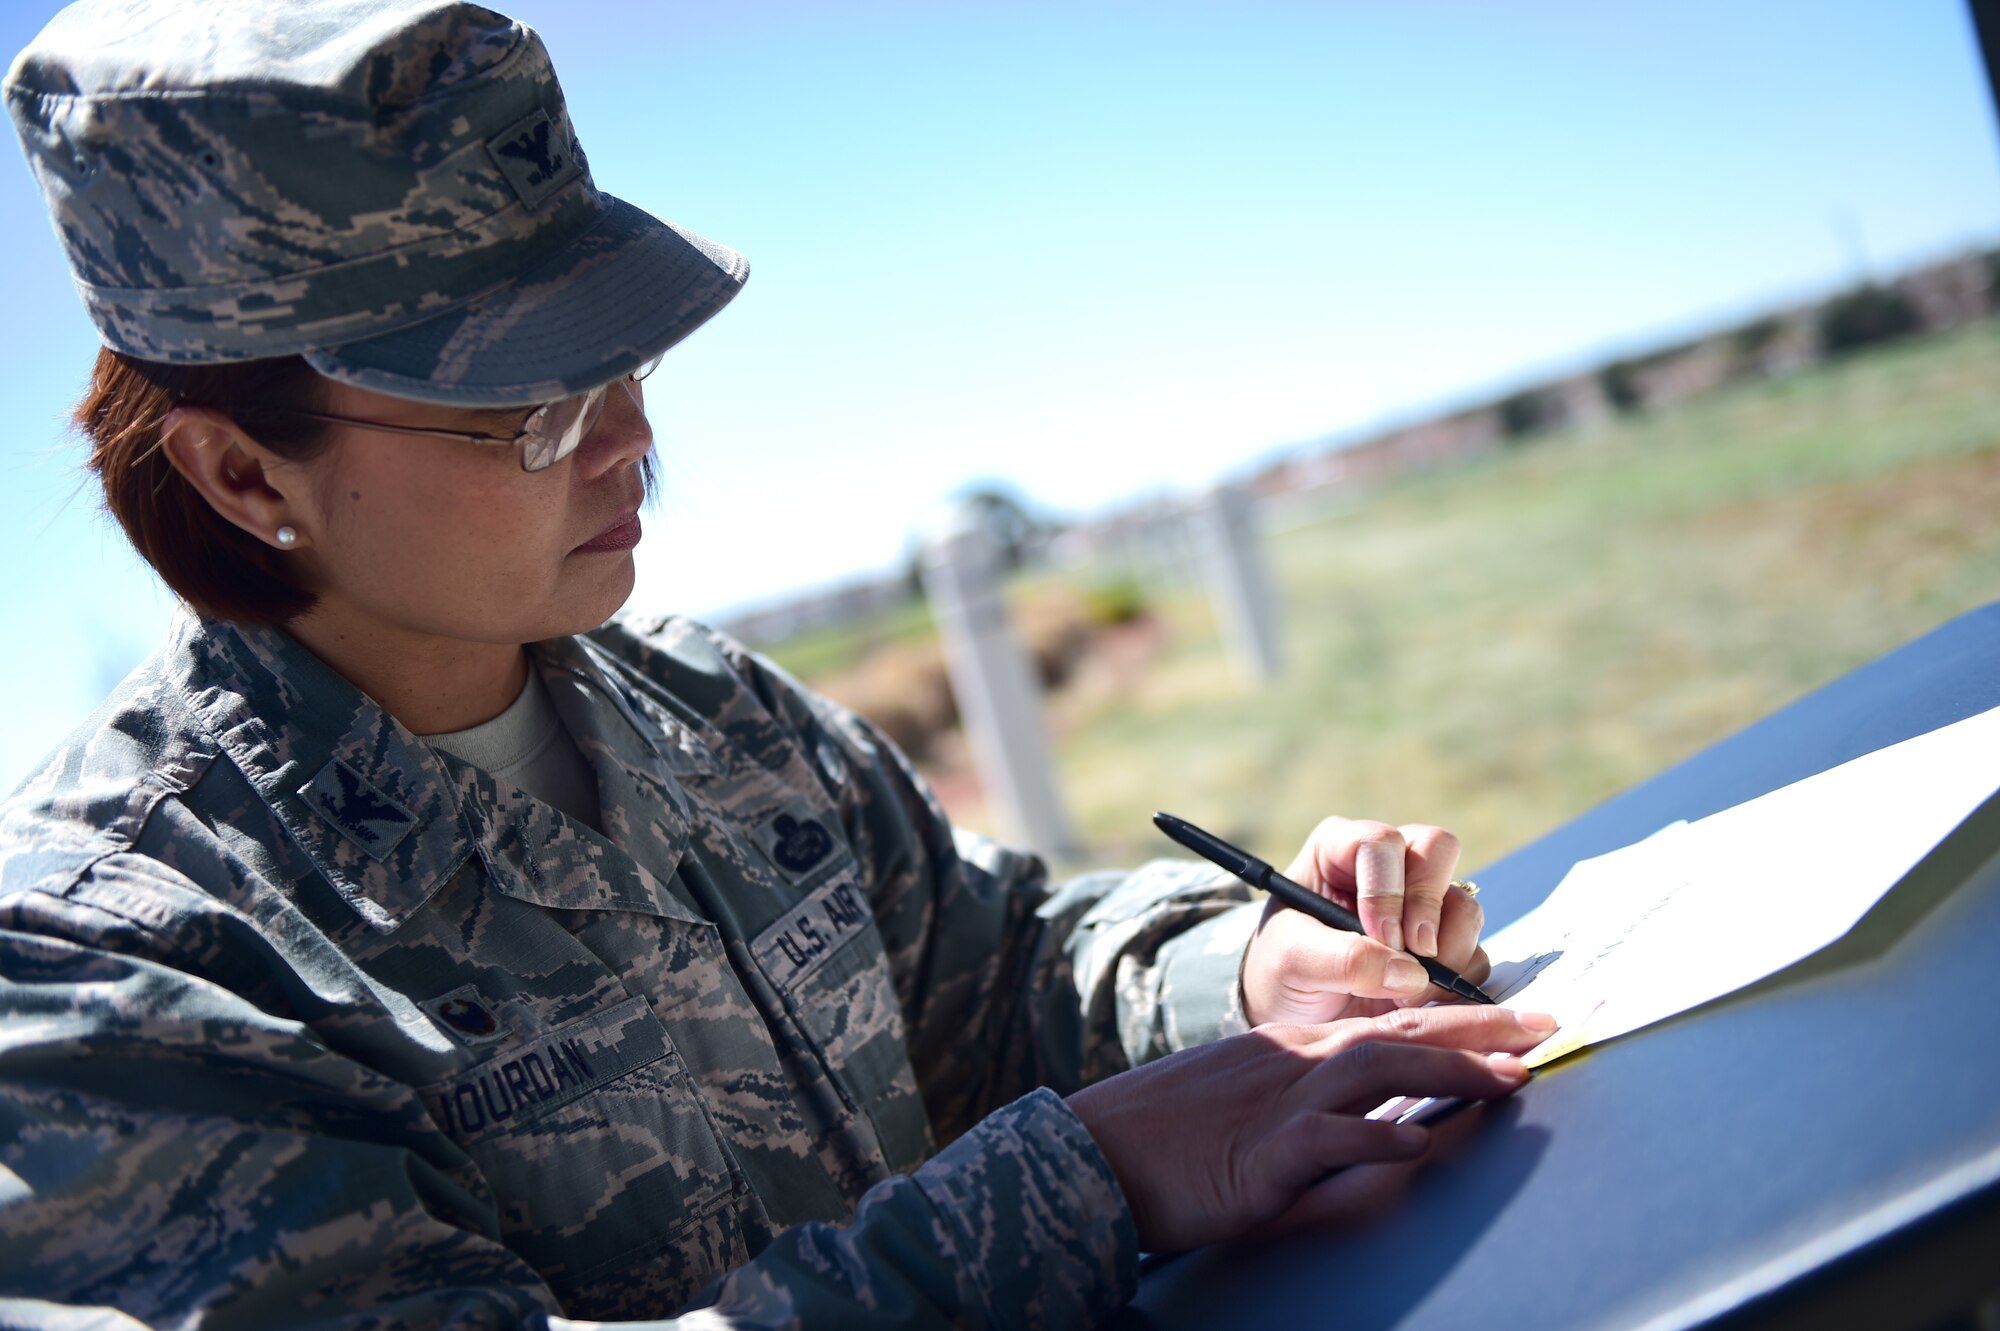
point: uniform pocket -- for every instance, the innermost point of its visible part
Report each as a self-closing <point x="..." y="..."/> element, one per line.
<point x="606" y="1171"/>
<point x="825" y="956"/>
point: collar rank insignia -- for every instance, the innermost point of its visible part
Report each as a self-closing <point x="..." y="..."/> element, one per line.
<point x="799" y="843"/>
<point x="357" y="810"/>
<point x="466" y="1017"/>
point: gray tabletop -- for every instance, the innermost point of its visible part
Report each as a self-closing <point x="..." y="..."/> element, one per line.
<point x="1726" y="1164"/>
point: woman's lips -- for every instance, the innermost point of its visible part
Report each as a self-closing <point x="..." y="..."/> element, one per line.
<point x="623" y="536"/>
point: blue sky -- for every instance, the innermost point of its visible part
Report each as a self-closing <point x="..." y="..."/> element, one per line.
<point x="1105" y="249"/>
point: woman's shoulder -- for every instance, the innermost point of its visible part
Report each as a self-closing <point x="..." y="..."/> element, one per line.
<point x="90" y="794"/>
<point x="141" y="835"/>
<point x="736" y="692"/>
<point x="674" y="642"/>
<point x="137" y="822"/>
<point x="699" y="665"/>
<point x="82" y="874"/>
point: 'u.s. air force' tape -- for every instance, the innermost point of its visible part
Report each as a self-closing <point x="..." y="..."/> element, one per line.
<point x="536" y="1076"/>
<point x="805" y="936"/>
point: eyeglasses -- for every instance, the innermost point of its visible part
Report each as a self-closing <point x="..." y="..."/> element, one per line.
<point x="550" y="433"/>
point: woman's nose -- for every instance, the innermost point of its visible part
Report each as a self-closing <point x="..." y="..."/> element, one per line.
<point x="622" y="434"/>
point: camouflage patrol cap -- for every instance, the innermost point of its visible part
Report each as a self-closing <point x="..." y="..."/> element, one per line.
<point x="390" y="187"/>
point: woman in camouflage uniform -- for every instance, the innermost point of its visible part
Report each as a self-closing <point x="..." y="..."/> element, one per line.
<point x="398" y="947"/>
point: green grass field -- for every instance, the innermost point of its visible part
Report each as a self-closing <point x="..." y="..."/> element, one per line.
<point x="1498" y="647"/>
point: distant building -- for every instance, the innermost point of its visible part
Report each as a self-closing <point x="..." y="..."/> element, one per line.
<point x="1949" y="294"/>
<point x="1149" y="540"/>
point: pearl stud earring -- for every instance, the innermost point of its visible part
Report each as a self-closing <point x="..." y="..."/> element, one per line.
<point x="287" y="537"/>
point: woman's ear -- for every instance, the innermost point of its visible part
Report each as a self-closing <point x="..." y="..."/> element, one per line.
<point x="243" y="481"/>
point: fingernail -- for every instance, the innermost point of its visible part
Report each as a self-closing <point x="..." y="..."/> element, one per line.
<point x="1406" y="975"/>
<point x="1412" y="1137"/>
<point x="1541" y="1023"/>
<point x="1392" y="933"/>
<point x="1425" y="939"/>
<point x="1507" y="1066"/>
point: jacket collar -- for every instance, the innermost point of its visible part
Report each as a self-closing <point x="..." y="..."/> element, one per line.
<point x="636" y="754"/>
<point x="370" y="804"/>
<point x="583" y="677"/>
<point x="387" y="819"/>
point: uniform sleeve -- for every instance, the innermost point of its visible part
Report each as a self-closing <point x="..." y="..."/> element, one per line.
<point x="171" y="1153"/>
<point x="1008" y="981"/>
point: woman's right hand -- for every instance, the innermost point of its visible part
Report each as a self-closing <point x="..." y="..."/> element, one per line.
<point x="1214" y="1141"/>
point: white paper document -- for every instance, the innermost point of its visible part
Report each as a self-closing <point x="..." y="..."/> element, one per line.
<point x="1703" y="908"/>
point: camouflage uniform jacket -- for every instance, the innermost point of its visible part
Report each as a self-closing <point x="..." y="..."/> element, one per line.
<point x="304" y="1022"/>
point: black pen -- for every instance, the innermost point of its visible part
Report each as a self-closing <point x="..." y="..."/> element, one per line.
<point x="1259" y="874"/>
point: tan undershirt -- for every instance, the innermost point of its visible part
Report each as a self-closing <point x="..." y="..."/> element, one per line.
<point x="529" y="746"/>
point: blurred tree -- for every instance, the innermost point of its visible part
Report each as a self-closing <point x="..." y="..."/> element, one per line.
<point x="1749" y="343"/>
<point x="1015" y="529"/>
<point x="1525" y="413"/>
<point x="1621" y="386"/>
<point x="1865" y="316"/>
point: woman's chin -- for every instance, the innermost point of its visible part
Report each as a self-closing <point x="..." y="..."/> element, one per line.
<point x="600" y="596"/>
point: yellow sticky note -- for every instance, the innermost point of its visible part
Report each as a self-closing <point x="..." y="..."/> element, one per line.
<point x="1555" y="1047"/>
<point x="1564" y="1042"/>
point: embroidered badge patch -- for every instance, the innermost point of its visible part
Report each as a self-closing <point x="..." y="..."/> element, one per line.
<point x="535" y="157"/>
<point x="797" y="844"/>
<point x="357" y="810"/>
<point x="806" y="935"/>
<point x="466" y="1016"/>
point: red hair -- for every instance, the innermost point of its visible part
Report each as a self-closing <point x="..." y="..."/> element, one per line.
<point x="211" y="563"/>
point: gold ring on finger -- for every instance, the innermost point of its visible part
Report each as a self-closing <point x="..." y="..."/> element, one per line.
<point x="1466" y="886"/>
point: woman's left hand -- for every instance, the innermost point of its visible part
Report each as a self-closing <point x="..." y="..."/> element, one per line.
<point x="1398" y="880"/>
